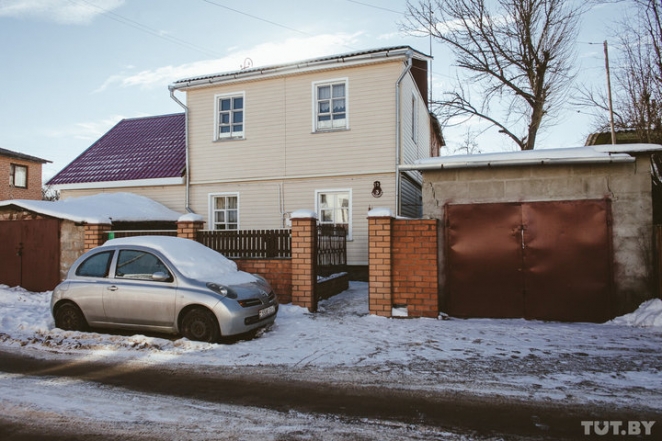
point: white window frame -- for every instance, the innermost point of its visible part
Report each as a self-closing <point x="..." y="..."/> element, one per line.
<point x="12" y="176"/>
<point x="414" y="118"/>
<point x="218" y="136"/>
<point x="335" y="191"/>
<point x="212" y="210"/>
<point x="315" y="101"/>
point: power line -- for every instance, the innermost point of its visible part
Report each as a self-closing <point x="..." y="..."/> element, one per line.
<point x="375" y="7"/>
<point x="257" y="18"/>
<point x="144" y="28"/>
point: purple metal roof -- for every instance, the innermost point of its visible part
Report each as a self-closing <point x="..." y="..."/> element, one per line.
<point x="136" y="148"/>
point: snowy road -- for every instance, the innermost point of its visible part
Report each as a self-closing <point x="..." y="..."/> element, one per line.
<point x="591" y="370"/>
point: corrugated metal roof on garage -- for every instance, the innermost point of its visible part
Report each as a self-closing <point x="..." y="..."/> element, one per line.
<point x="135" y="149"/>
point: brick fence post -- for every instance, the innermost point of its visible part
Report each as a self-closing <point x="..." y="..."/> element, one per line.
<point x="95" y="235"/>
<point x="188" y="226"/>
<point x="380" y="289"/>
<point x="304" y="259"/>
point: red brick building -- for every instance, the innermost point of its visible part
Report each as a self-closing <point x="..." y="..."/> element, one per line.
<point x="21" y="175"/>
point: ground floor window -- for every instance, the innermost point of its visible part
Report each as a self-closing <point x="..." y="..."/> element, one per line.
<point x="335" y="207"/>
<point x="224" y="211"/>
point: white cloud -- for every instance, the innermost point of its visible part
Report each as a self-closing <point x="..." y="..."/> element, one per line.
<point x="59" y="11"/>
<point x="266" y="54"/>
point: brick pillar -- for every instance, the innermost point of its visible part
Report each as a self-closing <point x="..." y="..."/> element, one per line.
<point x="189" y="225"/>
<point x="304" y="260"/>
<point x="379" y="266"/>
<point x="95" y="235"/>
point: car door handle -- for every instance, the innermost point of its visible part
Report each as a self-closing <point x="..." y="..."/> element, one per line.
<point x="112" y="288"/>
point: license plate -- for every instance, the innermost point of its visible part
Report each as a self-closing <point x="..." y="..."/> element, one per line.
<point x="266" y="312"/>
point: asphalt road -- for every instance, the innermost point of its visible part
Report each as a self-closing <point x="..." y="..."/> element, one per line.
<point x="276" y="389"/>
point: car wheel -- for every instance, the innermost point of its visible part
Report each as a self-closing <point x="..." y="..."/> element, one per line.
<point x="70" y="318"/>
<point x="200" y="325"/>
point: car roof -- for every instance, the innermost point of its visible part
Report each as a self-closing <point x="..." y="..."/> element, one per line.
<point x="191" y="258"/>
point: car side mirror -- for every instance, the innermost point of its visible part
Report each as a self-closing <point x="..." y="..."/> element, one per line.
<point x="160" y="276"/>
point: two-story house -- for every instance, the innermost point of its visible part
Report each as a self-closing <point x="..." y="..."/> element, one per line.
<point x="325" y="134"/>
<point x="21" y="175"/>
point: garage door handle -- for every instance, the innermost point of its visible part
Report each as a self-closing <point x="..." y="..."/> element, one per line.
<point x="112" y="288"/>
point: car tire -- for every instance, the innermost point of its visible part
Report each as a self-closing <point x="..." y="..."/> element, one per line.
<point x="69" y="317"/>
<point x="200" y="325"/>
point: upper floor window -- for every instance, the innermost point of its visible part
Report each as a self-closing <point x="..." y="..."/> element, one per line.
<point x="230" y="116"/>
<point x="414" y="118"/>
<point x="224" y="211"/>
<point x="330" y="105"/>
<point x="18" y="176"/>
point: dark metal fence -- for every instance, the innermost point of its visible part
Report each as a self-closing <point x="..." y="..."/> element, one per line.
<point x="331" y="249"/>
<point x="248" y="243"/>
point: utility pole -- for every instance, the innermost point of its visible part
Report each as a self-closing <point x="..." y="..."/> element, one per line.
<point x="611" y="108"/>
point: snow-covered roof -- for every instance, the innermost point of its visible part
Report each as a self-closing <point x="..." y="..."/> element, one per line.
<point x="103" y="208"/>
<point x="575" y="155"/>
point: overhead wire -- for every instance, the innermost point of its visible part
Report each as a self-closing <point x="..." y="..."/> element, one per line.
<point x="144" y="28"/>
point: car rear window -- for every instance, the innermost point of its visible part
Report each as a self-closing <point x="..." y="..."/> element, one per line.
<point x="96" y="265"/>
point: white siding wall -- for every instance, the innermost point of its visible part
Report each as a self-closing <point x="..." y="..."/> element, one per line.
<point x="268" y="204"/>
<point x="282" y="161"/>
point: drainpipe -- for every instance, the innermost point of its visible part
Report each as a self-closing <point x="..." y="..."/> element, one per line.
<point x="188" y="167"/>
<point x="398" y="142"/>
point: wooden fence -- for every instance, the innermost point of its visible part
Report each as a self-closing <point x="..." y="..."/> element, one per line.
<point x="266" y="244"/>
<point x="248" y="243"/>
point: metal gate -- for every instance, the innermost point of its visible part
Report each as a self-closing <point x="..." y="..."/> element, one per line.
<point x="537" y="260"/>
<point x="30" y="254"/>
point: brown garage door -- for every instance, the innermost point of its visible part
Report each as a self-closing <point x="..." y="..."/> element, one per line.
<point x="538" y="260"/>
<point x="30" y="254"/>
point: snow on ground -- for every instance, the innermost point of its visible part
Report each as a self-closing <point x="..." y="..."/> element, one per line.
<point x="617" y="363"/>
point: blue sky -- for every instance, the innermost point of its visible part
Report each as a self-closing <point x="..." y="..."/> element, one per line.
<point x="71" y="69"/>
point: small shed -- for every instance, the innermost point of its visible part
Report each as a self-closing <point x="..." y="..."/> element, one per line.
<point x="553" y="234"/>
<point x="41" y="239"/>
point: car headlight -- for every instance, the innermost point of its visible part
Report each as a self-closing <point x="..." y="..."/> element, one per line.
<point x="222" y="290"/>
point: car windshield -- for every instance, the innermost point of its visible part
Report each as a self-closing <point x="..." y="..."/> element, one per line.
<point x="192" y="259"/>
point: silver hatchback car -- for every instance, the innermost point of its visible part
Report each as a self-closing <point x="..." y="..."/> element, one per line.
<point x="162" y="284"/>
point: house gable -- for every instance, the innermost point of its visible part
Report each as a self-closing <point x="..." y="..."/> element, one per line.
<point x="136" y="152"/>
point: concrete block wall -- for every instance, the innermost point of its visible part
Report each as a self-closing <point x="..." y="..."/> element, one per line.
<point x="72" y="242"/>
<point x="626" y="185"/>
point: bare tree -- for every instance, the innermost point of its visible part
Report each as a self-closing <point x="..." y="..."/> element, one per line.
<point x="49" y="194"/>
<point x="641" y="79"/>
<point x="638" y="76"/>
<point x="518" y="53"/>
